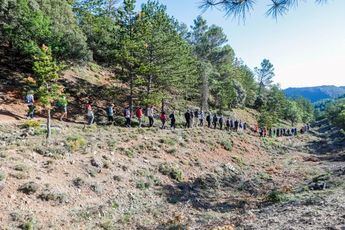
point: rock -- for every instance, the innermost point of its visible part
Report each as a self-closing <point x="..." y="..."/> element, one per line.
<point x="97" y="162"/>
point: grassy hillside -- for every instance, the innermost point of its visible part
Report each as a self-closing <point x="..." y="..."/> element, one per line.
<point x="114" y="178"/>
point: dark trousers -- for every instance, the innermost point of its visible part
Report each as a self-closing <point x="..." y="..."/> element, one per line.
<point x="221" y="126"/>
<point x="151" y="121"/>
<point x="188" y="124"/>
<point x="201" y="122"/>
<point x="173" y="124"/>
<point x="110" y="118"/>
<point x="209" y="124"/>
<point x="128" y="122"/>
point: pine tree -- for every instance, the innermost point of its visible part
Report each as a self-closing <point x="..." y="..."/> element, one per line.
<point x="46" y="77"/>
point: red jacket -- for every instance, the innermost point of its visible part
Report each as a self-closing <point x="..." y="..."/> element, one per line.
<point x="139" y="113"/>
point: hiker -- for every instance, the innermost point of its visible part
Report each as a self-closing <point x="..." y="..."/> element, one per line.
<point x="208" y="119"/>
<point x="227" y="123"/>
<point x="215" y="121"/>
<point x="150" y="115"/>
<point x="127" y="115"/>
<point x="139" y="114"/>
<point x="188" y="118"/>
<point x="196" y="116"/>
<point x="264" y="132"/>
<point x="201" y="117"/>
<point x="110" y="113"/>
<point x="172" y="120"/>
<point x="191" y="118"/>
<point x="89" y="113"/>
<point x="240" y="125"/>
<point x="31" y="112"/>
<point x="30" y="100"/>
<point x="236" y="125"/>
<point x="232" y="124"/>
<point x="221" y="122"/>
<point x="245" y="126"/>
<point x="63" y="104"/>
<point x="163" y="118"/>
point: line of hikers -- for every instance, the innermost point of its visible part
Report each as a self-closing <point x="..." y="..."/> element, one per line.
<point x="192" y="118"/>
<point x="280" y="132"/>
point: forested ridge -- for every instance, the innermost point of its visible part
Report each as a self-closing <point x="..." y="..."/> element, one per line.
<point x="159" y="59"/>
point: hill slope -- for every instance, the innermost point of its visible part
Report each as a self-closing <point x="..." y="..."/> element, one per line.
<point x="114" y="178"/>
<point x="317" y="93"/>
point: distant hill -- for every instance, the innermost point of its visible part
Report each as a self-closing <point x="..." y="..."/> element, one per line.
<point x="317" y="93"/>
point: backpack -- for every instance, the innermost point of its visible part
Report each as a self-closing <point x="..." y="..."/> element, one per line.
<point x="29" y="99"/>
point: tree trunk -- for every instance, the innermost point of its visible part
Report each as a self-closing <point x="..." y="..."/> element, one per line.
<point x="163" y="105"/>
<point x="204" y="90"/>
<point x="149" y="85"/>
<point x="131" y="93"/>
<point x="49" y="132"/>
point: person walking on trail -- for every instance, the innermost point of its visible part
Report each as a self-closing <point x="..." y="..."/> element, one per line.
<point x="163" y="118"/>
<point x="201" y="117"/>
<point x="221" y="122"/>
<point x="232" y="124"/>
<point x="264" y="132"/>
<point x="196" y="117"/>
<point x="245" y="126"/>
<point x="127" y="115"/>
<point x="172" y="120"/>
<point x="191" y="119"/>
<point x="188" y="118"/>
<point x="215" y="121"/>
<point x="236" y="125"/>
<point x="110" y="113"/>
<point x="30" y="100"/>
<point x="150" y="115"/>
<point x="89" y="113"/>
<point x="63" y="106"/>
<point x="139" y="115"/>
<point x="208" y="119"/>
<point x="240" y="125"/>
<point x="227" y="124"/>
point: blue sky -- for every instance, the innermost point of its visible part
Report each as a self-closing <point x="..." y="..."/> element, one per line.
<point x="306" y="47"/>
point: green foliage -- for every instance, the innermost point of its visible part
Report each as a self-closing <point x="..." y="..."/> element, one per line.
<point x="227" y="145"/>
<point x="293" y="112"/>
<point x="276" y="196"/>
<point x="266" y="120"/>
<point x="171" y="171"/>
<point x="335" y="112"/>
<point x="27" y="24"/>
<point x="32" y="124"/>
<point x="264" y="74"/>
<point x="46" y="76"/>
<point x="75" y="142"/>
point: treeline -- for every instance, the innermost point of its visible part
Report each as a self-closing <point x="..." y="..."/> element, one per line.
<point x="332" y="110"/>
<point x="160" y="59"/>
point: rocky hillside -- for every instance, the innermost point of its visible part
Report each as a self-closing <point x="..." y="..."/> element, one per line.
<point x="105" y="177"/>
<point x="315" y="94"/>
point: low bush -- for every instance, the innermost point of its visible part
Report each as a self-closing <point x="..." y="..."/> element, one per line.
<point x="172" y="171"/>
<point x="29" y="188"/>
<point x="275" y="196"/>
<point x="31" y="124"/>
<point x="227" y="145"/>
<point x="75" y="142"/>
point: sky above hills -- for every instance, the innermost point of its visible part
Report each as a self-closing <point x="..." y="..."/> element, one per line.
<point x="307" y="46"/>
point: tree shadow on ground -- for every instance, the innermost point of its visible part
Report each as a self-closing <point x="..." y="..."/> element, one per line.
<point x="10" y="114"/>
<point x="221" y="192"/>
<point x="330" y="145"/>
